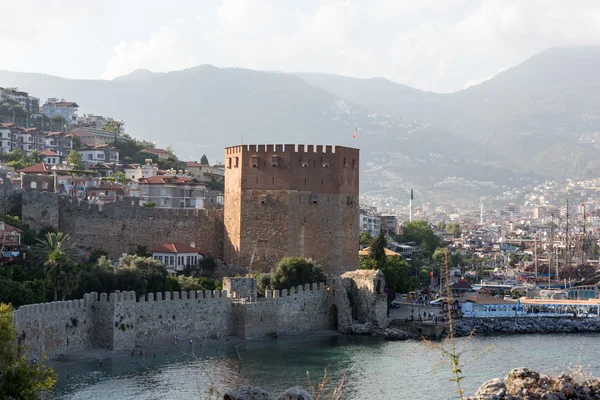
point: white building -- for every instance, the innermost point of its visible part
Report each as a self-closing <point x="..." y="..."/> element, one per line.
<point x="137" y="172"/>
<point x="369" y="221"/>
<point x="102" y="153"/>
<point x="59" y="142"/>
<point x="177" y="256"/>
<point x="172" y="191"/>
<point x="61" y="108"/>
<point x="51" y="157"/>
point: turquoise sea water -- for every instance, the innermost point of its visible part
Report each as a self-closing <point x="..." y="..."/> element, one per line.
<point x="374" y="368"/>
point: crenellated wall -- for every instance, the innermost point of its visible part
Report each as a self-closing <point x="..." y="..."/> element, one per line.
<point x="119" y="321"/>
<point x="122" y="225"/>
<point x="301" y="309"/>
<point x="161" y="316"/>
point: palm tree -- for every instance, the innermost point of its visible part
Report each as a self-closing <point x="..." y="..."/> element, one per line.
<point x="54" y="253"/>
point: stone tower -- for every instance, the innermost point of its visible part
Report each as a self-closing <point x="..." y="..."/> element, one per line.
<point x="291" y="200"/>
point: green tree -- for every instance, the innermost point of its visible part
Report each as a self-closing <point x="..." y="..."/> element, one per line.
<point x="421" y="233"/>
<point x="143" y="251"/>
<point x="20" y="378"/>
<point x="453" y="228"/>
<point x="396" y="272"/>
<point x="365" y="237"/>
<point x="96" y="254"/>
<point x="119" y="177"/>
<point x="377" y="250"/>
<point x="112" y="126"/>
<point x="187" y="283"/>
<point x="293" y="271"/>
<point x="149" y="204"/>
<point x="54" y="253"/>
<point x="74" y="158"/>
<point x="204" y="160"/>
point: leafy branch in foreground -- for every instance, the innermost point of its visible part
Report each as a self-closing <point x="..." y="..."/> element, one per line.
<point x="451" y="354"/>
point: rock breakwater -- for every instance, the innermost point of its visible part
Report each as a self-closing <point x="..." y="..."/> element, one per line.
<point x="524" y="325"/>
<point x="525" y="384"/>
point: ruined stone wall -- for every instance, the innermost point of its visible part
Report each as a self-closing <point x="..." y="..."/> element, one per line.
<point x="122" y="225"/>
<point x="368" y="300"/>
<point x="240" y="287"/>
<point x="56" y="328"/>
<point x="302" y="309"/>
<point x="203" y="315"/>
<point x="40" y="210"/>
<point x="289" y="200"/>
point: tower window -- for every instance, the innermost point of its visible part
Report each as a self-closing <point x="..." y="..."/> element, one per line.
<point x="345" y="163"/>
<point x="263" y="199"/>
<point x="354" y="163"/>
<point x="325" y="162"/>
<point x="254" y="161"/>
<point x="349" y="200"/>
<point x="229" y="163"/>
<point x="274" y="161"/>
<point x="314" y="198"/>
<point x="304" y="161"/>
<point x="236" y="163"/>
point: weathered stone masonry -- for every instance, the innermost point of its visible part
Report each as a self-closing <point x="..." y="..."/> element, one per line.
<point x="120" y="322"/>
<point x="120" y="226"/>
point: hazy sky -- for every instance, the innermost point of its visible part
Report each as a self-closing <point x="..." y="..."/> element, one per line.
<point x="435" y="45"/>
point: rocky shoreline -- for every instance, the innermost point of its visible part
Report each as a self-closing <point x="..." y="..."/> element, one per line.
<point x="524" y="325"/>
<point x="525" y="384"/>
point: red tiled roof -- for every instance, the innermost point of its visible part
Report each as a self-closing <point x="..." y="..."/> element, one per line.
<point x="49" y="153"/>
<point x="10" y="228"/>
<point x="156" y="151"/>
<point x="66" y="104"/>
<point x="40" y="168"/>
<point x="176" y="247"/>
<point x="192" y="164"/>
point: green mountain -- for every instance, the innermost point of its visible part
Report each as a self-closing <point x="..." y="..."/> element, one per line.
<point x="540" y="119"/>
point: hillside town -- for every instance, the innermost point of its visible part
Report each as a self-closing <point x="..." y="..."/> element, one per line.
<point x="121" y="227"/>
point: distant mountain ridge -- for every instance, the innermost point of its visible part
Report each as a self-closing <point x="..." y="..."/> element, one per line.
<point x="539" y="119"/>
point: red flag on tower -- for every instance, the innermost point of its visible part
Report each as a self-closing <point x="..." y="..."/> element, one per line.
<point x="354" y="135"/>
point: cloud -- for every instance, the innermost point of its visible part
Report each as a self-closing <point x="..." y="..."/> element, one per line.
<point x="440" y="45"/>
<point x="164" y="51"/>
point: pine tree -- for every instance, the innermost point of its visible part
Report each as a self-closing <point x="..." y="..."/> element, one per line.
<point x="204" y="160"/>
<point x="377" y="250"/>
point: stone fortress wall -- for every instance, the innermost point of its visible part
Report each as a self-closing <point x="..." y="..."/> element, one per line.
<point x="120" y="226"/>
<point x="119" y="321"/>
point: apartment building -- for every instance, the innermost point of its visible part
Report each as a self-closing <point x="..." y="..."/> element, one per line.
<point x="99" y="154"/>
<point x="172" y="191"/>
<point x="59" y="142"/>
<point x="67" y="110"/>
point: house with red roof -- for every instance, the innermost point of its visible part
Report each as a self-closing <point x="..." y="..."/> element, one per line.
<point x="172" y="191"/>
<point x="10" y="240"/>
<point x="50" y="157"/>
<point x="160" y="153"/>
<point x="36" y="169"/>
<point x="67" y="110"/>
<point x="177" y="256"/>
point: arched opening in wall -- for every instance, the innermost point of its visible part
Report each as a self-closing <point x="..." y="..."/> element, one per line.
<point x="333" y="317"/>
<point x="378" y="287"/>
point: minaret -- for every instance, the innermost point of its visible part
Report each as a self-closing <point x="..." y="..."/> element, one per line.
<point x="410" y="208"/>
<point x="481" y="214"/>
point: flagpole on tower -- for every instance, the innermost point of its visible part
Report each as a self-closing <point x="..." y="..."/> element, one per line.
<point x="355" y="137"/>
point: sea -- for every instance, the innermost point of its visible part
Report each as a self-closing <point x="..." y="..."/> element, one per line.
<point x="365" y="367"/>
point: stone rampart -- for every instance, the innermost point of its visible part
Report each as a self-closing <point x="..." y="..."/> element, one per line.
<point x="119" y="321"/>
<point x="57" y="328"/>
<point x="301" y="309"/>
<point x="205" y="315"/>
<point x="120" y="226"/>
